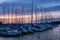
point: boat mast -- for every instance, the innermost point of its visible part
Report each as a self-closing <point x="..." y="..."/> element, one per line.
<point x="35" y="15"/>
<point x="45" y="16"/>
<point x="8" y="12"/>
<point x="41" y="14"/>
<point x="16" y="12"/>
<point x="12" y="12"/>
<point x="4" y="14"/>
<point x="20" y="16"/>
<point x="22" y="12"/>
<point x="49" y="17"/>
<point x="3" y="18"/>
<point x="32" y="14"/>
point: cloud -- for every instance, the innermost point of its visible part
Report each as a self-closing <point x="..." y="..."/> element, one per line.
<point x="1" y="1"/>
<point x="27" y="3"/>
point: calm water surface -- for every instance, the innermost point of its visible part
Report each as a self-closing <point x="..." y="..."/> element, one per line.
<point x="53" y="34"/>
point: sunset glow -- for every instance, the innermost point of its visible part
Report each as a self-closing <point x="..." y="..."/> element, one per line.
<point x="25" y="18"/>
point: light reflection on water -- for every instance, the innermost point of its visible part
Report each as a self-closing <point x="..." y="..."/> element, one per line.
<point x="53" y="34"/>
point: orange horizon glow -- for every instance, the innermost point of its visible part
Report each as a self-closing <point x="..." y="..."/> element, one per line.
<point x="24" y="18"/>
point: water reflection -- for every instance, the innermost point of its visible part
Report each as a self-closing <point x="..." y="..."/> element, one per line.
<point x="53" y="34"/>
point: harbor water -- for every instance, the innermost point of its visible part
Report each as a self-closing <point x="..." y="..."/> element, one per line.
<point x="52" y="34"/>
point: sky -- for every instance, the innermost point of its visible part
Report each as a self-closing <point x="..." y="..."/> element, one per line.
<point x="46" y="3"/>
<point x="49" y="5"/>
<point x="1" y="1"/>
